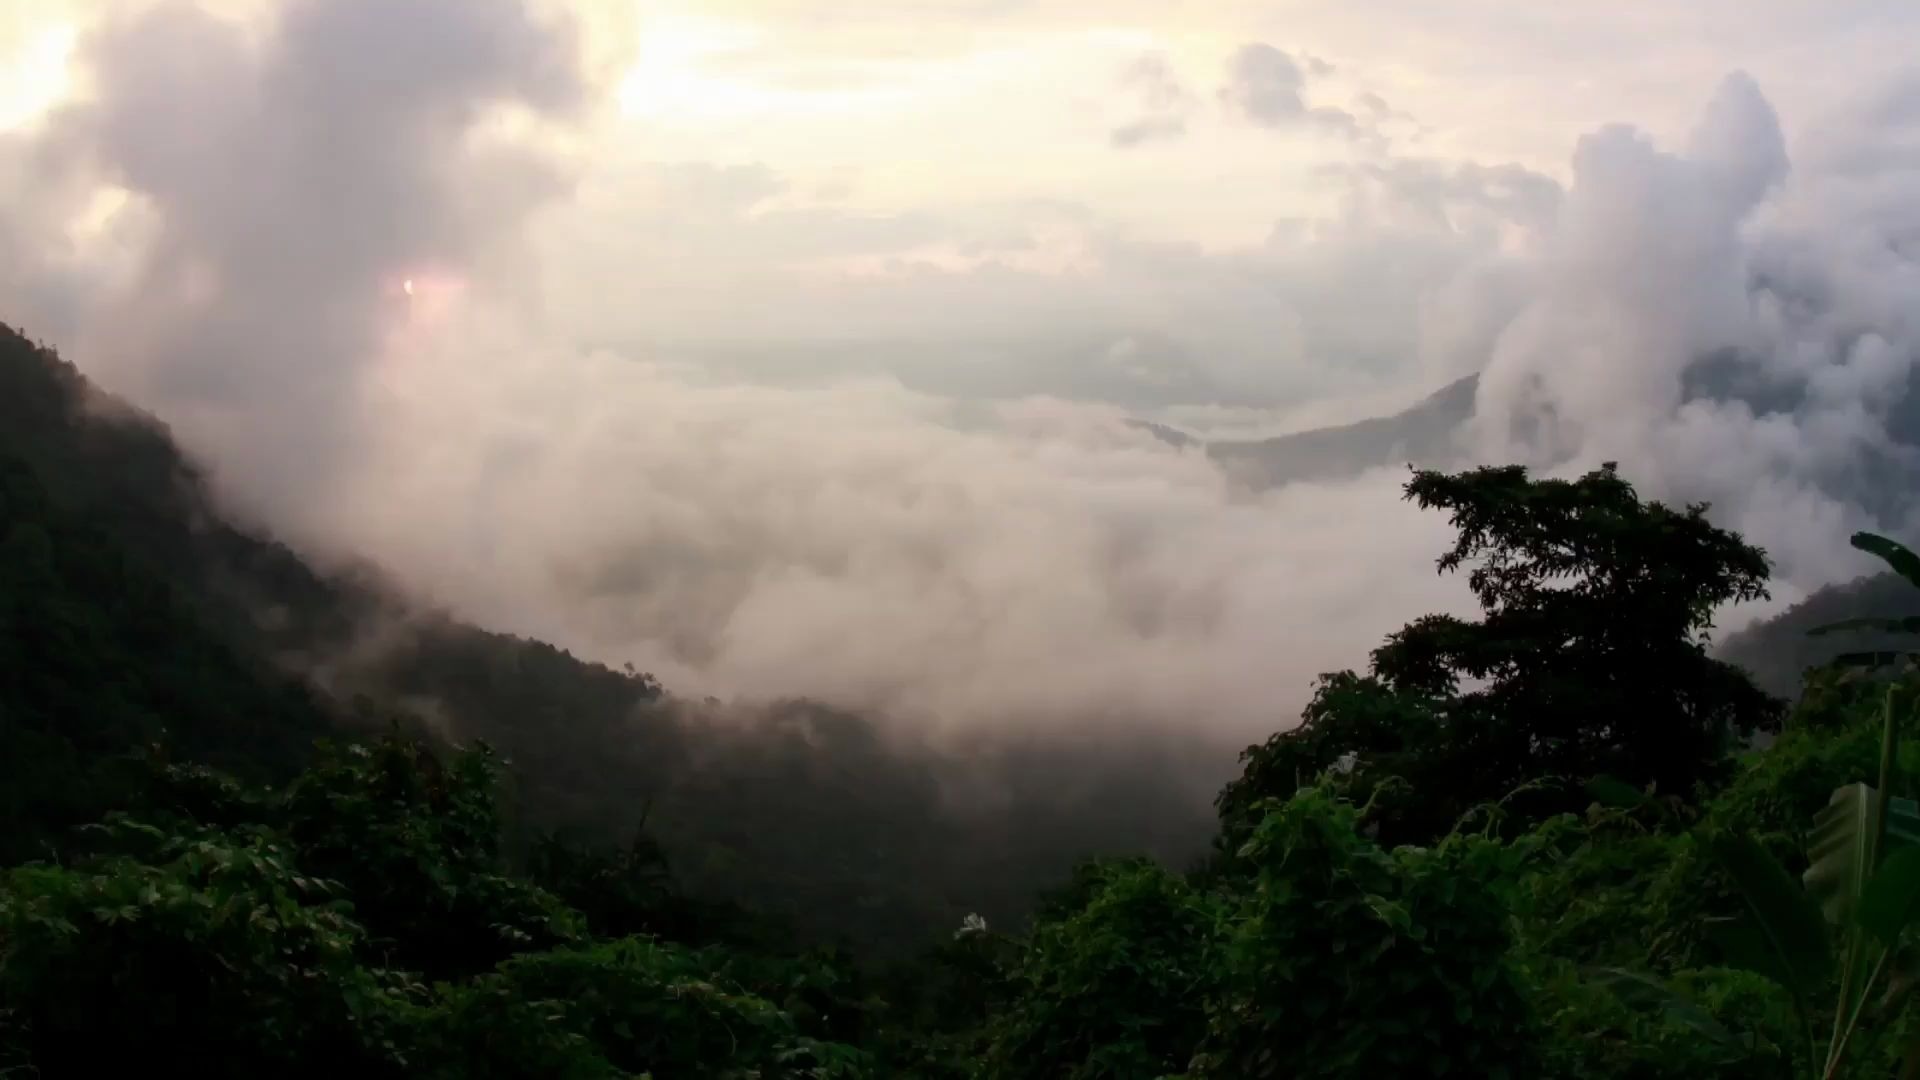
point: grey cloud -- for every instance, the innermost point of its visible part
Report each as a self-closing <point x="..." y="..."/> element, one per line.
<point x="289" y="179"/>
<point x="1267" y="87"/>
<point x="1658" y="258"/>
<point x="1033" y="563"/>
<point x="983" y="563"/>
<point x="797" y="518"/>
<point x="1147" y="129"/>
<point x="1508" y="192"/>
<point x="1739" y="141"/>
<point x="1163" y="101"/>
<point x="1330" y="308"/>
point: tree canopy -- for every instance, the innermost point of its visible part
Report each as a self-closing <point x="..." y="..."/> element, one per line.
<point x="1589" y="660"/>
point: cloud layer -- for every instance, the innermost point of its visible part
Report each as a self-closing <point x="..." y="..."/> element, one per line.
<point x="763" y="441"/>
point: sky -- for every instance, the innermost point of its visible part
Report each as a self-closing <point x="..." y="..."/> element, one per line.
<point x="786" y="348"/>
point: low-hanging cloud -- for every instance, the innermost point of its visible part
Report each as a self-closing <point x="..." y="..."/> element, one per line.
<point x="967" y="560"/>
<point x="1034" y="564"/>
<point x="289" y="183"/>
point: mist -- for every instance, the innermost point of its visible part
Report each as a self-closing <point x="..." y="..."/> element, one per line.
<point x="383" y="273"/>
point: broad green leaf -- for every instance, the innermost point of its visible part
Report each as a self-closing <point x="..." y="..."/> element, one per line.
<point x="1840" y="851"/>
<point x="1892" y="552"/>
<point x="1892" y="899"/>
<point x="1788" y="923"/>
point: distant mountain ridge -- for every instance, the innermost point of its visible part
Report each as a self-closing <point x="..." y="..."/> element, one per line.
<point x="1421" y="435"/>
<point x="1885" y="481"/>
<point x="1778" y="651"/>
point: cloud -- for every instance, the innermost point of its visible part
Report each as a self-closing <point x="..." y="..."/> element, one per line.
<point x="1009" y="299"/>
<point x="1035" y="565"/>
<point x="1147" y="129"/>
<point x="1267" y="87"/>
<point x="887" y="504"/>
<point x="1264" y="85"/>
<point x="1659" y="259"/>
<point x="1163" y="101"/>
<point x="1028" y="565"/>
<point x="1441" y="191"/>
<point x="289" y="180"/>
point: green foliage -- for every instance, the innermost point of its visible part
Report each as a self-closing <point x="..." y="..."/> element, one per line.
<point x="1607" y="890"/>
<point x="1116" y="987"/>
<point x="1520" y="846"/>
<point x="1336" y="929"/>
<point x="622" y="1008"/>
<point x="1862" y="880"/>
<point x="415" y="842"/>
<point x="215" y="948"/>
<point x="360" y="920"/>
<point x="1713" y="1024"/>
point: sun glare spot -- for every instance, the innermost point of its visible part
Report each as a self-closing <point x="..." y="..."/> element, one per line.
<point x="670" y="76"/>
<point x="33" y="73"/>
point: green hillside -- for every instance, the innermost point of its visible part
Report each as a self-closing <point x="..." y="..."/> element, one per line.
<point x="1526" y="844"/>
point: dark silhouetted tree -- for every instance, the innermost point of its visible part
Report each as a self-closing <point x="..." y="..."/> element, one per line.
<point x="1589" y="659"/>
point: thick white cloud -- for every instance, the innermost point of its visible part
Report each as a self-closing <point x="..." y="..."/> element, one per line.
<point x="287" y="185"/>
<point x="652" y="408"/>
<point x="1802" y="291"/>
<point x="1032" y="564"/>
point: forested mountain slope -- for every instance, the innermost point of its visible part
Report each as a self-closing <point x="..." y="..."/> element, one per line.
<point x="1528" y="844"/>
<point x="101" y="657"/>
<point x="813" y="814"/>
<point x="1780" y="650"/>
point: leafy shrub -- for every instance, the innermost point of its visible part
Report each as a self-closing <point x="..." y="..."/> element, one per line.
<point x="220" y="951"/>
<point x="1115" y="989"/>
<point x="1348" y="960"/>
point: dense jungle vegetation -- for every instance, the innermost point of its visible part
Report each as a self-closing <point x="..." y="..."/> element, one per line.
<point x="1562" y="839"/>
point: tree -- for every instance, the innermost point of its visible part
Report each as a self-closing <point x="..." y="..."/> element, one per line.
<point x="1588" y="660"/>
<point x="415" y="840"/>
<point x="1347" y="960"/>
<point x="212" y="947"/>
<point x="1114" y="988"/>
